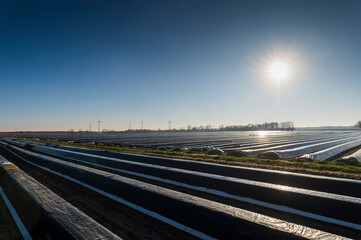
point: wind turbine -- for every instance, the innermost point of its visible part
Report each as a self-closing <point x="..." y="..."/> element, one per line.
<point x="99" y="124"/>
<point x="170" y="125"/>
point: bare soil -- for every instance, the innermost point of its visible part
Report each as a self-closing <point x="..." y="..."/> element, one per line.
<point x="8" y="228"/>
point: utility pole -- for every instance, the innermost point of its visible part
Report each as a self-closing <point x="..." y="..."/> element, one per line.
<point x="90" y="126"/>
<point x="99" y="125"/>
<point x="141" y="125"/>
<point x="130" y="126"/>
<point x="169" y="125"/>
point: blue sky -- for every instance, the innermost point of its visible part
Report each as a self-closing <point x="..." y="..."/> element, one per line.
<point x="65" y="63"/>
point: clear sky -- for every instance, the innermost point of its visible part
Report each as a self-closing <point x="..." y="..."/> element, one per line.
<point x="65" y="63"/>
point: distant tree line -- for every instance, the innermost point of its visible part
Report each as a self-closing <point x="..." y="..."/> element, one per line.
<point x="358" y="124"/>
<point x="271" y="126"/>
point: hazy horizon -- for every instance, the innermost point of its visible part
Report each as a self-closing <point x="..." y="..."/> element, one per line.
<point x="64" y="64"/>
<point x="95" y="130"/>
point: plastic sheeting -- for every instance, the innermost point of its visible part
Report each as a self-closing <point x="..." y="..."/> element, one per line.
<point x="253" y="152"/>
<point x="319" y="203"/>
<point x="355" y="156"/>
<point x="15" y="142"/>
<point x="314" y="182"/>
<point x="203" y="215"/>
<point x="296" y="152"/>
<point x="44" y="213"/>
<point x="332" y="151"/>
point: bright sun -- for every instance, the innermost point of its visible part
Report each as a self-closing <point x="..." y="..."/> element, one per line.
<point x="278" y="70"/>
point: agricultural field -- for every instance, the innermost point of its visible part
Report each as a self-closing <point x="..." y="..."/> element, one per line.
<point x="180" y="120"/>
<point x="119" y="195"/>
<point x="316" y="145"/>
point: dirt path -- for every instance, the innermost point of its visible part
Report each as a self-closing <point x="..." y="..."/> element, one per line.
<point x="8" y="228"/>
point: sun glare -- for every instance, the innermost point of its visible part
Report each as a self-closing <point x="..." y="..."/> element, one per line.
<point x="262" y="134"/>
<point x="278" y="70"/>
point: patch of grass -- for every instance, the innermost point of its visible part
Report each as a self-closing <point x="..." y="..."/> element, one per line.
<point x="236" y="154"/>
<point x="215" y="152"/>
<point x="268" y="155"/>
<point x="289" y="164"/>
